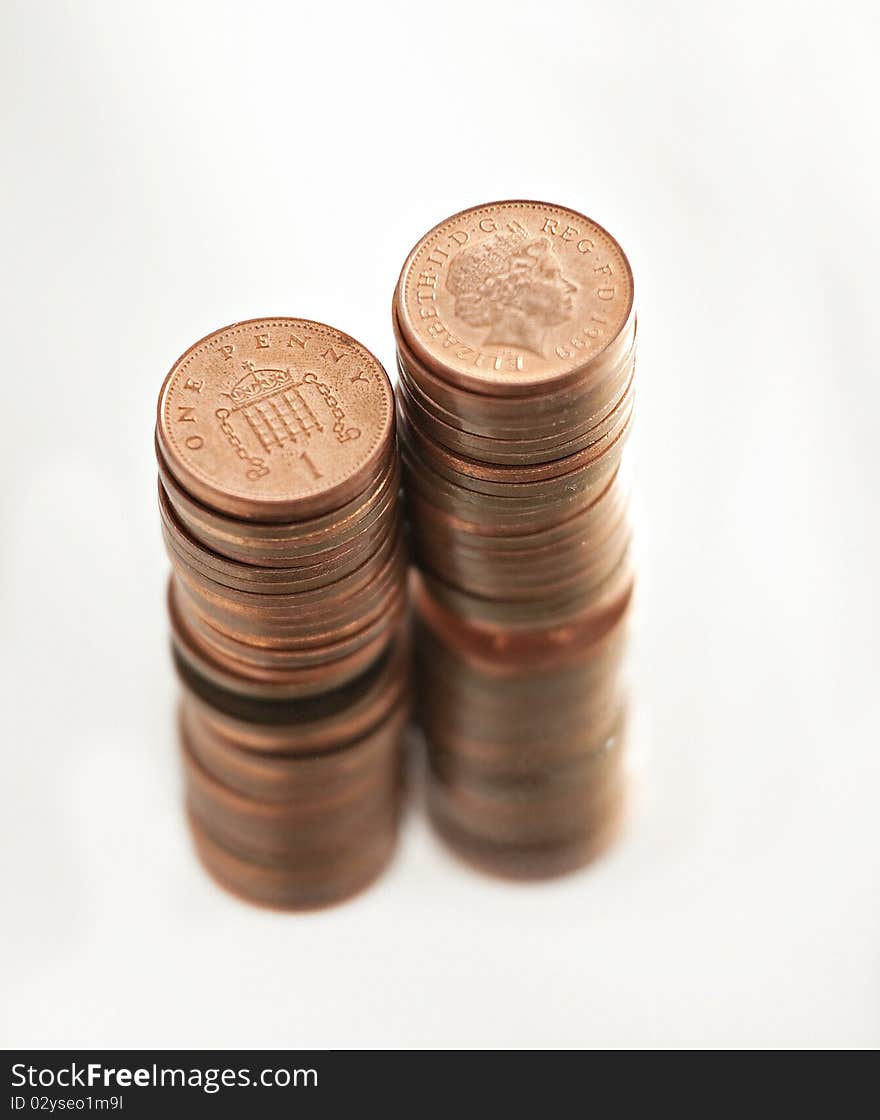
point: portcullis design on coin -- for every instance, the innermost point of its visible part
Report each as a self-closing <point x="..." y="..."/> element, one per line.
<point x="275" y="418"/>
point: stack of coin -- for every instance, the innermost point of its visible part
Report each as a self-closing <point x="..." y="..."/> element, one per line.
<point x="515" y="331"/>
<point x="278" y="494"/>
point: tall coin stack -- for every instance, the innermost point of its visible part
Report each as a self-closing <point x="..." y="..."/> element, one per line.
<point x="515" y="331"/>
<point x="278" y="493"/>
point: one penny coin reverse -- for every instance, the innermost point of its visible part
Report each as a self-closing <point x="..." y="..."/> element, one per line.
<point x="275" y="419"/>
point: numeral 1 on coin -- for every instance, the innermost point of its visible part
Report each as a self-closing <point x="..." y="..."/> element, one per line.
<point x="307" y="459"/>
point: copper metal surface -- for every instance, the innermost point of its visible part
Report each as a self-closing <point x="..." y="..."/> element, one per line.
<point x="321" y="879"/>
<point x="327" y="721"/>
<point x="515" y="328"/>
<point x="538" y="859"/>
<point x="279" y="504"/>
<point x="275" y="419"/>
<point x="509" y="297"/>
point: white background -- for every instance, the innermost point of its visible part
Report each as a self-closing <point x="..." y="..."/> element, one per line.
<point x="171" y="167"/>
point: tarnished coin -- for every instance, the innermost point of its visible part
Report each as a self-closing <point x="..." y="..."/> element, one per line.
<point x="275" y="419"/>
<point x="309" y="725"/>
<point x="513" y="297"/>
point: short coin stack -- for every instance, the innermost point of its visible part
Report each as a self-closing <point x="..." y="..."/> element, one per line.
<point x="278" y="493"/>
<point x="515" y="330"/>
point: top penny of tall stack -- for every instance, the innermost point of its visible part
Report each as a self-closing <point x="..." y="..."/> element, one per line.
<point x="515" y="329"/>
<point x="275" y="420"/>
<point x="514" y="299"/>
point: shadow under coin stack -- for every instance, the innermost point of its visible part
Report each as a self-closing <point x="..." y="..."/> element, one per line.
<point x="516" y="347"/>
<point x="278" y="492"/>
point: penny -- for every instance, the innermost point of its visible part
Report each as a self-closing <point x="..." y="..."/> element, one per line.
<point x="249" y="679"/>
<point x="278" y="544"/>
<point x="507" y="451"/>
<point x="525" y="813"/>
<point x="322" y="879"/>
<point x="324" y="641"/>
<point x="512" y="480"/>
<point x="356" y="565"/>
<point x="437" y="530"/>
<point x="262" y="659"/>
<point x="502" y="648"/>
<point x="297" y="626"/>
<point x="259" y="827"/>
<point x="309" y="593"/>
<point x="280" y="648"/>
<point x="467" y="707"/>
<point x="279" y="485"/>
<point x="542" y="414"/>
<point x="513" y="297"/>
<point x="512" y="859"/>
<point x="484" y="752"/>
<point x="569" y="572"/>
<point x="512" y="514"/>
<point x="275" y="419"/>
<point x="542" y="611"/>
<point x="307" y="725"/>
<point x="263" y="556"/>
<point x="515" y="329"/>
<point x="330" y="774"/>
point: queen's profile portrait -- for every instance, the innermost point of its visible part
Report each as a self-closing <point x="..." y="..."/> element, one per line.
<point x="513" y="286"/>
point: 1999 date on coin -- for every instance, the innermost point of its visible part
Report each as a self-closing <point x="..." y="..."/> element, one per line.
<point x="66" y="1104"/>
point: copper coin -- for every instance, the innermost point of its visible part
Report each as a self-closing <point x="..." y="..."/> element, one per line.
<point x="468" y="710"/>
<point x="275" y="419"/>
<point x="503" y="515"/>
<point x="605" y="598"/>
<point x="565" y="799"/>
<point x="478" y="563"/>
<point x="530" y="860"/>
<point x="331" y="773"/>
<point x="296" y="625"/>
<point x="524" y="479"/>
<point x="309" y="724"/>
<point x="501" y="644"/>
<point x="299" y="884"/>
<point x="543" y="757"/>
<point x="290" y="588"/>
<point x="540" y="415"/>
<point x="606" y="503"/>
<point x="512" y="451"/>
<point x="513" y="297"/>
<point x="313" y="639"/>
<point x="275" y="544"/>
<point x="262" y="557"/>
<point x="346" y="572"/>
<point x="263" y="661"/>
<point x="246" y="679"/>
<point x="582" y="577"/>
<point x="257" y="827"/>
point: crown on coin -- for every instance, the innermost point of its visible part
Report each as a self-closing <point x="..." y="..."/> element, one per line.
<point x="258" y="383"/>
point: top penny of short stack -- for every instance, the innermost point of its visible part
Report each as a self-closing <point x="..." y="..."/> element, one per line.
<point x="514" y="298"/>
<point x="275" y="419"/>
